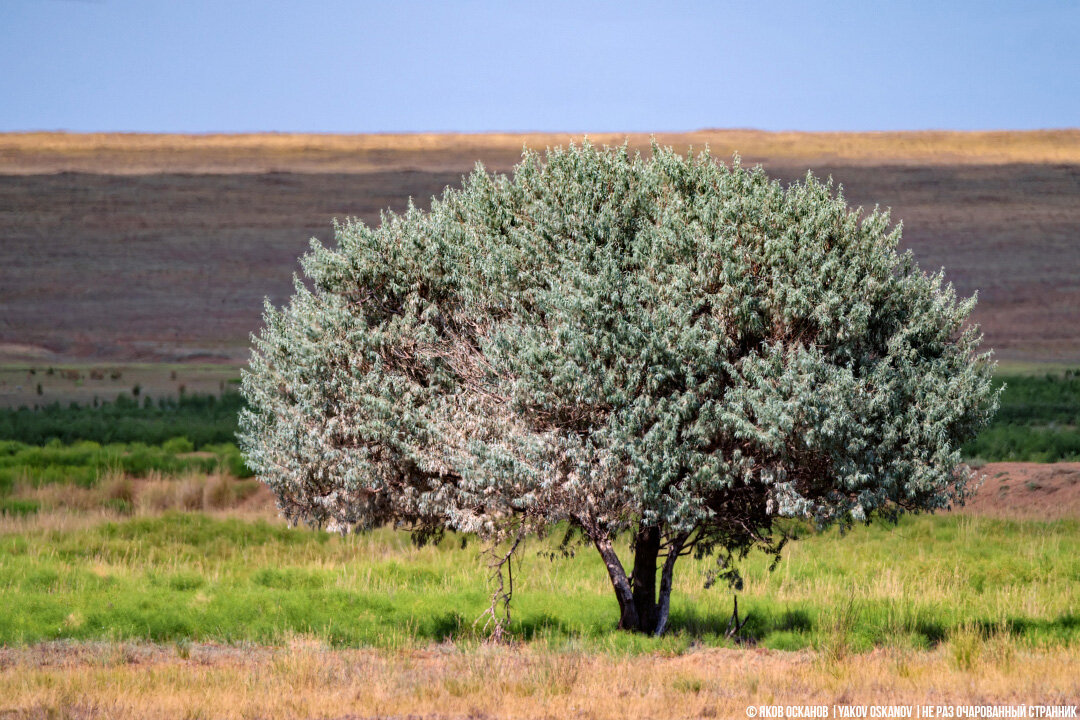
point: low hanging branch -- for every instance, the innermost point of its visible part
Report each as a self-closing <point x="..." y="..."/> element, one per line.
<point x="496" y="623"/>
<point x="734" y="626"/>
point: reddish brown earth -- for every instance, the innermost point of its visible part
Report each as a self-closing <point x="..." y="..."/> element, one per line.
<point x="1028" y="491"/>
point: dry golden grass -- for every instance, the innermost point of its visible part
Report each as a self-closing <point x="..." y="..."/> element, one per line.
<point x="123" y="153"/>
<point x="65" y="507"/>
<point x="307" y="681"/>
<point x="198" y="492"/>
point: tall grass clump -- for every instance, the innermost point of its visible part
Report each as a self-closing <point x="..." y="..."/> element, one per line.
<point x="85" y="463"/>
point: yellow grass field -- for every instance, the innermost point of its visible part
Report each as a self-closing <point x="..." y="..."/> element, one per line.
<point x="305" y="680"/>
<point x="121" y="153"/>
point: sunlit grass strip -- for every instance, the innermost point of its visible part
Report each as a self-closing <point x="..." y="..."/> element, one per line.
<point x="134" y="152"/>
<point x="184" y="577"/>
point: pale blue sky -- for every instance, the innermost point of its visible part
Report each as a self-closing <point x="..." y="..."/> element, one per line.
<point x="206" y="66"/>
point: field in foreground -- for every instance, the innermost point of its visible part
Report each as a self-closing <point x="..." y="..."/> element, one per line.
<point x="141" y="577"/>
<point x="306" y="680"/>
<point x="227" y="613"/>
<point x="230" y="614"/>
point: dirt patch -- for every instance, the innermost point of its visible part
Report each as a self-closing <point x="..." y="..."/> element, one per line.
<point x="1028" y="490"/>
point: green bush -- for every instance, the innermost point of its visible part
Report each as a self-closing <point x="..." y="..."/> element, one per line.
<point x="178" y="445"/>
<point x="1038" y="421"/>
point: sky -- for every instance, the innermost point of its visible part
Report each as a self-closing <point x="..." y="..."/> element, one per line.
<point x="402" y="66"/>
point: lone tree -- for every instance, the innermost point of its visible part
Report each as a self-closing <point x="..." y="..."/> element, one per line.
<point x="660" y="346"/>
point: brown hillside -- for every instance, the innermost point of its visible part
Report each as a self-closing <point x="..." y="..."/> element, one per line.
<point x="145" y="247"/>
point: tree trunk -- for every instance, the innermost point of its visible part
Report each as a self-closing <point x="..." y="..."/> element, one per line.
<point x="628" y="616"/>
<point x="637" y="596"/>
<point x="666" y="576"/>
<point x="643" y="579"/>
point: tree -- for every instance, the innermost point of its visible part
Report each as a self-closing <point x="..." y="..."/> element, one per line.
<point x="659" y="346"/>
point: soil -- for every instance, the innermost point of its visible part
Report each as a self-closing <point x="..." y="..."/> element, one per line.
<point x="1028" y="491"/>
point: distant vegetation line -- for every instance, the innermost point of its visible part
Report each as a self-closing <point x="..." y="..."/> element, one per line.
<point x="1039" y="421"/>
<point x="85" y="445"/>
<point x="201" y="419"/>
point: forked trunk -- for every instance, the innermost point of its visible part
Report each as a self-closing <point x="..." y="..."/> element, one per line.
<point x="639" y="609"/>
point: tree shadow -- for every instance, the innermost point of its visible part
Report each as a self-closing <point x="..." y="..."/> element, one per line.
<point x="1062" y="626"/>
<point x="759" y="624"/>
<point x="927" y="632"/>
<point x="539" y="625"/>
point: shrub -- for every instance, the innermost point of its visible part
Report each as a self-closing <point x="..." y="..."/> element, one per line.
<point x="178" y="445"/>
<point x="663" y="347"/>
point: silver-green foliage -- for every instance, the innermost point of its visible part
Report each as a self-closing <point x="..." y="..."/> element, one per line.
<point x="623" y="343"/>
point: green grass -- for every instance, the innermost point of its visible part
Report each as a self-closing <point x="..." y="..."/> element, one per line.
<point x="85" y="463"/>
<point x="15" y="506"/>
<point x="1022" y="443"/>
<point x="186" y="577"/>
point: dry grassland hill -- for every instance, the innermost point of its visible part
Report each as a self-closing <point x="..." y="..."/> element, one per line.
<point x="160" y="248"/>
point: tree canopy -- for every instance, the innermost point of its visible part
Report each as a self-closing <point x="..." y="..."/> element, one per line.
<point x="661" y="346"/>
